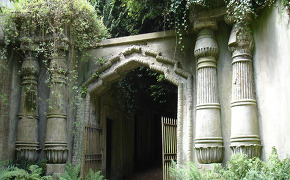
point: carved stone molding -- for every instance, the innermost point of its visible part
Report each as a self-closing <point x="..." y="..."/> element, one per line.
<point x="208" y="155"/>
<point x="208" y="138"/>
<point x="244" y="127"/>
<point x="56" y="133"/>
<point x="28" y="151"/>
<point x="56" y="153"/>
<point x="27" y="145"/>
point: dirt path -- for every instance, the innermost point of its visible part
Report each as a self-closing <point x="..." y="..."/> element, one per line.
<point x="154" y="173"/>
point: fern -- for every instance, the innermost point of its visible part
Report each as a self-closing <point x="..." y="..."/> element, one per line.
<point x="94" y="175"/>
<point x="71" y="173"/>
<point x="11" y="172"/>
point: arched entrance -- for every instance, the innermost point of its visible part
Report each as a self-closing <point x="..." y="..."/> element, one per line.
<point x="116" y="68"/>
<point x="133" y="107"/>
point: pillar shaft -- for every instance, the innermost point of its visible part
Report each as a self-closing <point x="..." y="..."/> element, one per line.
<point x="27" y="143"/>
<point x="244" y="126"/>
<point x="56" y="133"/>
<point x="208" y="139"/>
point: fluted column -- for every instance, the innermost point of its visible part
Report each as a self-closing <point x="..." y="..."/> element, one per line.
<point x="56" y="133"/>
<point x="27" y="143"/>
<point x="208" y="138"/>
<point x="244" y="121"/>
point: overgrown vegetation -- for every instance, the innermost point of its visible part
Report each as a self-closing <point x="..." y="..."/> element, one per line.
<point x="238" y="167"/>
<point x="94" y="175"/>
<point x="24" y="170"/>
<point x="25" y="164"/>
<point x="49" y="29"/>
<point x="142" y="82"/>
<point x="44" y="24"/>
<point x="73" y="173"/>
<point x="9" y="170"/>
<point x="129" y="17"/>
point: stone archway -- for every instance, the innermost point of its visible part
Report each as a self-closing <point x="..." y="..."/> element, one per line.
<point x="116" y="67"/>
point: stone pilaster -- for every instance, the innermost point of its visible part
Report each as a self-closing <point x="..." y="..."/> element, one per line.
<point x="56" y="132"/>
<point x="208" y="139"/>
<point x="244" y="121"/>
<point x="27" y="143"/>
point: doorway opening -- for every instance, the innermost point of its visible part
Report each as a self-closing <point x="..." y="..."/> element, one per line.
<point x="134" y="107"/>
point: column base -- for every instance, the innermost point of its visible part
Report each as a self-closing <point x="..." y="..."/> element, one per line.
<point x="251" y="150"/>
<point x="208" y="155"/>
<point x="55" y="170"/>
<point x="27" y="150"/>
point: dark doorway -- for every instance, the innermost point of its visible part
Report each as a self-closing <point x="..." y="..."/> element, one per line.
<point x="134" y="135"/>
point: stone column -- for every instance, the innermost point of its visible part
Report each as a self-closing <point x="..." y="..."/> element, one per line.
<point x="208" y="138"/>
<point x="244" y="126"/>
<point x="27" y="143"/>
<point x="56" y="132"/>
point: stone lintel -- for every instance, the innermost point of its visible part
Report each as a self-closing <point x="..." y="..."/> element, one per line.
<point x="217" y="13"/>
<point x="208" y="18"/>
<point x="210" y="23"/>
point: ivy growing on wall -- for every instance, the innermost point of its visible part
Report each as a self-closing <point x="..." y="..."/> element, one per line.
<point x="54" y="19"/>
<point x="46" y="26"/>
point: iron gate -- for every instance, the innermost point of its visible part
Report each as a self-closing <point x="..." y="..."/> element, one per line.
<point x="169" y="144"/>
<point x="93" y="148"/>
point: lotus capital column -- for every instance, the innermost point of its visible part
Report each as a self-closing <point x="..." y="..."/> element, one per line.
<point x="56" y="131"/>
<point x="244" y="121"/>
<point x="27" y="144"/>
<point x="208" y="138"/>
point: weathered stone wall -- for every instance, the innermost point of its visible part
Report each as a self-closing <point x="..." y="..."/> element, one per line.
<point x="271" y="67"/>
<point x="272" y="76"/>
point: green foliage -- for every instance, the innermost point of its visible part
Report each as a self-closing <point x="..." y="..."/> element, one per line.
<point x="94" y="175"/>
<point x="3" y="98"/>
<point x="286" y="4"/>
<point x="240" y="11"/>
<point x="129" y="17"/>
<point x="187" y="172"/>
<point x="71" y="173"/>
<point x="25" y="164"/>
<point x="239" y="167"/>
<point x="8" y="171"/>
<point x="55" y="18"/>
<point x="141" y="82"/>
<point x="84" y="91"/>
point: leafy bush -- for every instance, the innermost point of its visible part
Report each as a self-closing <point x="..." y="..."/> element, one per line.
<point x="8" y="171"/>
<point x="238" y="167"/>
<point x="25" y="164"/>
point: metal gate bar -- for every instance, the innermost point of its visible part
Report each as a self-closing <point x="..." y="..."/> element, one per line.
<point x="169" y="144"/>
<point x="93" y="148"/>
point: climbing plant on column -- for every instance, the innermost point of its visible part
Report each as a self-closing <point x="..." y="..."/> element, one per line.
<point x="43" y="26"/>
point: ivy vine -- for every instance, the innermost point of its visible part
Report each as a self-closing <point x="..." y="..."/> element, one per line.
<point x="47" y="27"/>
